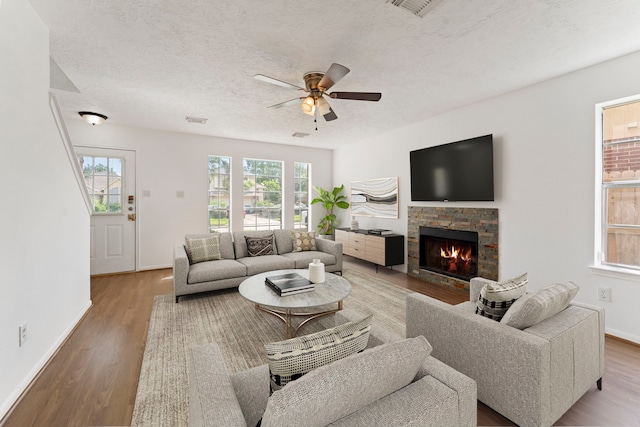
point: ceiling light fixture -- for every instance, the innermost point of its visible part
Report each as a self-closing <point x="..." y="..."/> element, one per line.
<point x="308" y="105"/>
<point x="323" y="106"/>
<point x="93" y="118"/>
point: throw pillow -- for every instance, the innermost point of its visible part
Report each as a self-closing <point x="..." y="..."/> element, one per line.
<point x="303" y="241"/>
<point x="533" y="308"/>
<point x="334" y="391"/>
<point x="496" y="297"/>
<point x="258" y="246"/>
<point x="207" y="249"/>
<point x="292" y="358"/>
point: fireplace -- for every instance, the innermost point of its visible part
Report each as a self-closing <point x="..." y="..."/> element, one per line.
<point x="479" y="226"/>
<point x="450" y="252"/>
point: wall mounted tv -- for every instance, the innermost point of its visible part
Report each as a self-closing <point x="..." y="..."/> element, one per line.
<point x="456" y="172"/>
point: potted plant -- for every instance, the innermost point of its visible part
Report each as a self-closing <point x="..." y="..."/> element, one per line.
<point x="330" y="200"/>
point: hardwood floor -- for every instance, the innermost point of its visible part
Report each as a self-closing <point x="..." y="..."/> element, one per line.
<point x="92" y="379"/>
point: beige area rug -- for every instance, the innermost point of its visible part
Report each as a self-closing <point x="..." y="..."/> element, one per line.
<point x="241" y="332"/>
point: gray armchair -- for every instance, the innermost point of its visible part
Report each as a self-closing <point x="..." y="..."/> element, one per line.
<point x="353" y="391"/>
<point x="531" y="376"/>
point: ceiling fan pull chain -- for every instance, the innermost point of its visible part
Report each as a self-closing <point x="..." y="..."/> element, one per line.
<point x="316" y="122"/>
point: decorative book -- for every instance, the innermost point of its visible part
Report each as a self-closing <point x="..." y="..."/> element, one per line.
<point x="380" y="231"/>
<point x="289" y="284"/>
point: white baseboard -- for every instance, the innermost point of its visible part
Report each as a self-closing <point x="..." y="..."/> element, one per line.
<point x="154" y="267"/>
<point x="623" y="335"/>
<point x="33" y="373"/>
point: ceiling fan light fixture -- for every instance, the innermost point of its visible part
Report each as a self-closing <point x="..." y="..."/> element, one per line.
<point x="308" y="105"/>
<point x="317" y="84"/>
<point x="93" y="118"/>
<point x="323" y="106"/>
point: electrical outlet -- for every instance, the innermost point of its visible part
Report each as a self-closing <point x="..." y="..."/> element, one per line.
<point x="22" y="334"/>
<point x="604" y="294"/>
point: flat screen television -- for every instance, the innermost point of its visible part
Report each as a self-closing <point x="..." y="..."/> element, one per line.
<point x="458" y="171"/>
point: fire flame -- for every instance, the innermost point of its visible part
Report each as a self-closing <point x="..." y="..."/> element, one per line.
<point x="455" y="253"/>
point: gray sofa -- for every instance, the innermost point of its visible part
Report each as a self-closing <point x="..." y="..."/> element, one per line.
<point x="236" y="264"/>
<point x="531" y="376"/>
<point x="354" y="391"/>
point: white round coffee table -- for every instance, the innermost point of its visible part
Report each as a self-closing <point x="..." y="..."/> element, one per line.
<point x="333" y="290"/>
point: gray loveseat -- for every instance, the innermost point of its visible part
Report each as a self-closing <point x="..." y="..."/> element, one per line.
<point x="531" y="376"/>
<point x="236" y="264"/>
<point x="355" y="391"/>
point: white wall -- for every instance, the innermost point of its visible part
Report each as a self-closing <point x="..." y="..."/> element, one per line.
<point x="544" y="172"/>
<point x="171" y="162"/>
<point x="44" y="224"/>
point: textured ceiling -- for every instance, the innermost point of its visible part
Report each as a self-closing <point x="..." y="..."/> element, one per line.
<point x="150" y="63"/>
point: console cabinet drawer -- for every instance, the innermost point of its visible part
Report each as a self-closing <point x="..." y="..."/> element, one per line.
<point x="375" y="249"/>
<point x="357" y="244"/>
<point x="343" y="237"/>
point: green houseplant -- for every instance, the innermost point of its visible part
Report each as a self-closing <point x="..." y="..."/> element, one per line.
<point x="330" y="200"/>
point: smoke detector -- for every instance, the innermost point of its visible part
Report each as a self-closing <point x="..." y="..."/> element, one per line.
<point x="415" y="7"/>
<point x="198" y="120"/>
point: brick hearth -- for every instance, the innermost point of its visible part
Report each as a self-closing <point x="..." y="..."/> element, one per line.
<point x="482" y="220"/>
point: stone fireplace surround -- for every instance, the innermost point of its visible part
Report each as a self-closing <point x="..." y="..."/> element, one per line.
<point x="484" y="221"/>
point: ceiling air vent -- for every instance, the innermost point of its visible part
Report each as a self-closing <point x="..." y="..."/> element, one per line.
<point x="299" y="134"/>
<point x="198" y="120"/>
<point x="416" y="7"/>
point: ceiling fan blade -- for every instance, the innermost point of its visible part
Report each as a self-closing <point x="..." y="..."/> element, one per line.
<point x="330" y="115"/>
<point x="277" y="82"/>
<point x="358" y="96"/>
<point x="285" y="103"/>
<point x="332" y="76"/>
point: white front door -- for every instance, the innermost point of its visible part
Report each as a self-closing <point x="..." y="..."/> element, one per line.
<point x="110" y="176"/>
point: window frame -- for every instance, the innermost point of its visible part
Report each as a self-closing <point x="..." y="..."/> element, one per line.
<point x="601" y="227"/>
<point x="256" y="210"/>
<point x="92" y="195"/>
<point x="215" y="192"/>
<point x="301" y="225"/>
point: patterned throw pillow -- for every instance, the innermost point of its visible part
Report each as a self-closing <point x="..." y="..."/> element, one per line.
<point x="291" y="359"/>
<point x="303" y="241"/>
<point x="533" y="308"/>
<point x="496" y="297"/>
<point x="207" y="249"/>
<point x="258" y="246"/>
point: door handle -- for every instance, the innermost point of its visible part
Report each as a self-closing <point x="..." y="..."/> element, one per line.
<point x="132" y="217"/>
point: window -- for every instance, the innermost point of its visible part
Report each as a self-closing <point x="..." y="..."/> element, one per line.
<point x="618" y="245"/>
<point x="301" y="196"/>
<point x="262" y="194"/>
<point x="219" y="200"/>
<point x="103" y="177"/>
